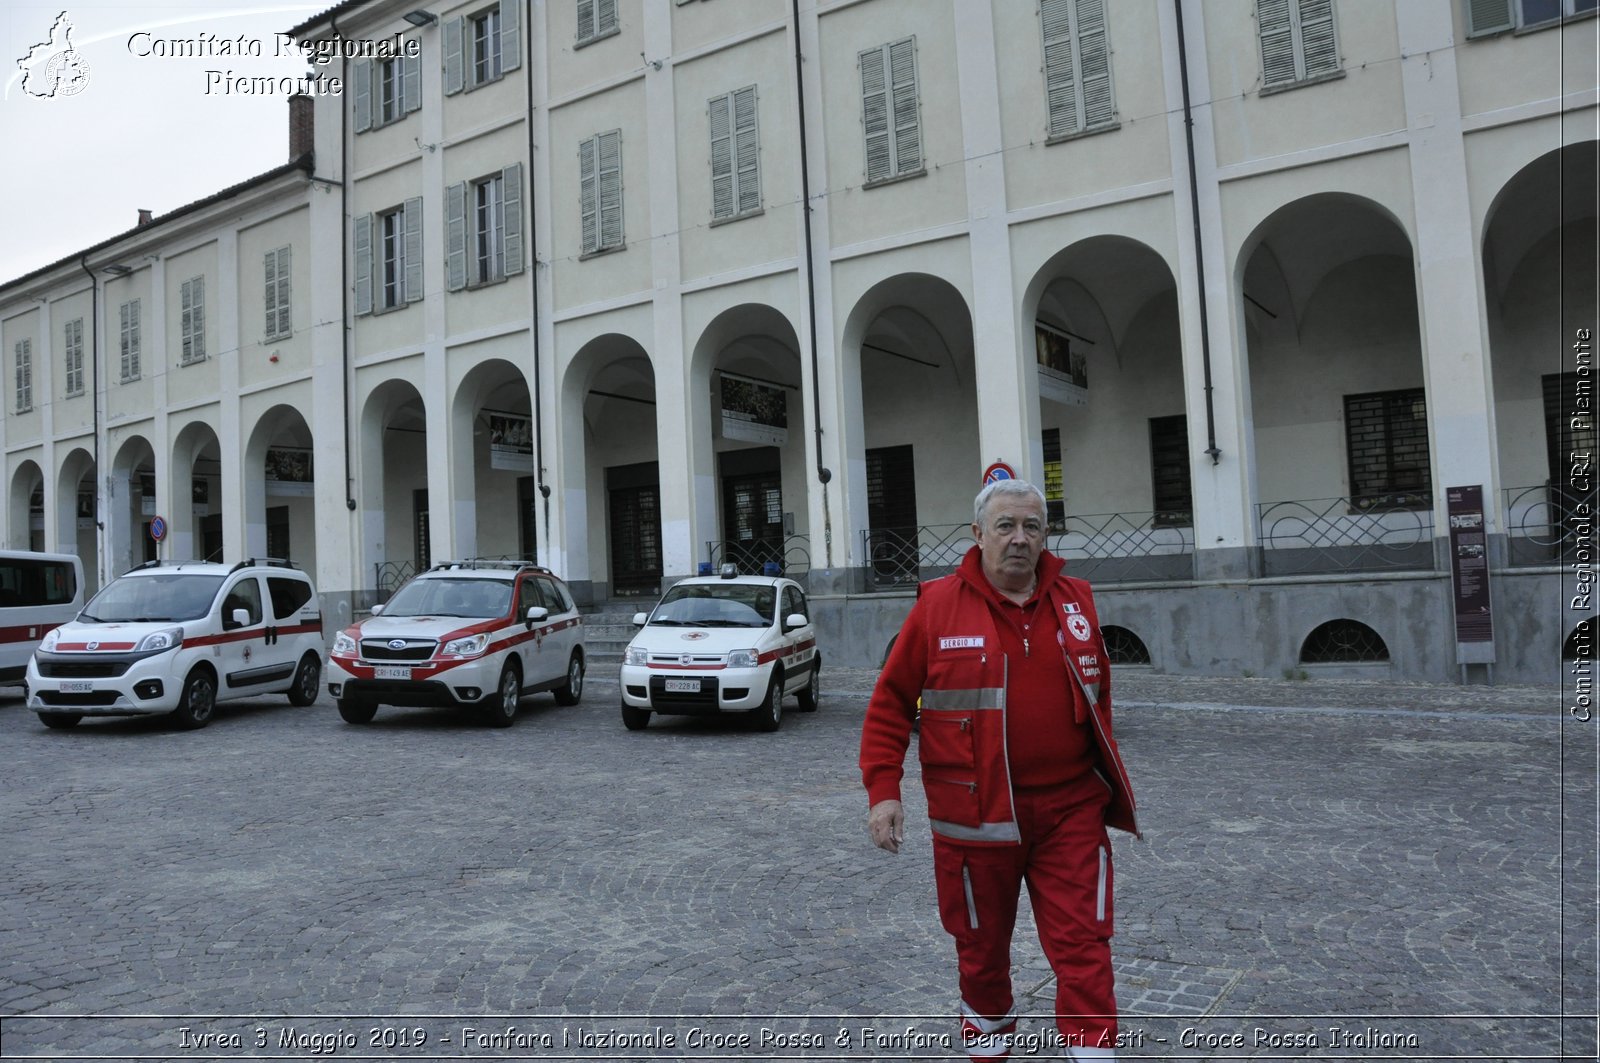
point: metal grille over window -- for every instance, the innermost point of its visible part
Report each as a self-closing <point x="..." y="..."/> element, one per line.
<point x="1123" y="646"/>
<point x="1343" y="642"/>
<point x="1386" y="436"/>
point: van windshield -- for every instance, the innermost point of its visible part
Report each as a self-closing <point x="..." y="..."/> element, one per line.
<point x="163" y="596"/>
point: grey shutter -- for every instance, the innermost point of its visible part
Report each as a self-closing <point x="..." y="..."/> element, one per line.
<point x="610" y="188"/>
<point x="197" y="318"/>
<point x="285" y="317"/>
<point x="186" y="320"/>
<point x="363" y="253"/>
<point x="511" y="207"/>
<point x="269" y="274"/>
<point x="722" y="157"/>
<point x="455" y="237"/>
<point x="1060" y="82"/>
<point x="135" y="339"/>
<point x="412" y="211"/>
<point x="903" y="93"/>
<point x="1094" y="64"/>
<point x="588" y="194"/>
<point x="510" y="35"/>
<point x="454" y="61"/>
<point x="585" y="20"/>
<point x="747" y="149"/>
<point x="1319" y="48"/>
<point x="363" y="103"/>
<point x="1489" y="16"/>
<point x="605" y="16"/>
<point x="875" y="111"/>
<point x="411" y="66"/>
<point x="1277" y="42"/>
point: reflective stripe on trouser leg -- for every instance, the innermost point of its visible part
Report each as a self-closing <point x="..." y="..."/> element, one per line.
<point x="986" y="1039"/>
<point x="978" y="887"/>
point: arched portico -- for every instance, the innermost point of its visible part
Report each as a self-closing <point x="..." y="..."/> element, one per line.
<point x="76" y="514"/>
<point x="395" y="539"/>
<point x="26" y="507"/>
<point x="492" y="463"/>
<point x="196" y="471"/>
<point x="280" y="489"/>
<point x="131" y="499"/>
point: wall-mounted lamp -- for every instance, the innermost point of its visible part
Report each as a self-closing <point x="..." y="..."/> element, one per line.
<point x="117" y="269"/>
<point x="420" y="17"/>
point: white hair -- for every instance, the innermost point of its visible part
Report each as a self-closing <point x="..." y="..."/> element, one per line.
<point x="1008" y="488"/>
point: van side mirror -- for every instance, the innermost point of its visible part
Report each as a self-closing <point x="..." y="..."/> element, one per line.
<point x="241" y="617"/>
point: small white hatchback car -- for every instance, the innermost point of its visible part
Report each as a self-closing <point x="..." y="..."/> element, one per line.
<point x="723" y="645"/>
<point x="178" y="637"/>
<point x="475" y="633"/>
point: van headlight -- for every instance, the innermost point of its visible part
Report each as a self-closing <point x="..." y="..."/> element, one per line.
<point x="636" y="655"/>
<point x="51" y="637"/>
<point x="742" y="658"/>
<point x="470" y="646"/>
<point x="344" y="645"/>
<point x="157" y="641"/>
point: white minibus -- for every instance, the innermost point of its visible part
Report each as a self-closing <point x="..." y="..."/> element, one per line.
<point x="37" y="592"/>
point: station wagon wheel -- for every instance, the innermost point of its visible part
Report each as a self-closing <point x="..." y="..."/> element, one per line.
<point x="635" y="719"/>
<point x="198" y="700"/>
<point x="572" y="690"/>
<point x="307" y="680"/>
<point x="768" y="716"/>
<point x="502" y="708"/>
<point x="60" y="721"/>
<point x="357" y="710"/>
<point x="811" y="693"/>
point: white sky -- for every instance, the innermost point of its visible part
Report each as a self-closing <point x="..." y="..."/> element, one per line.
<point x="144" y="131"/>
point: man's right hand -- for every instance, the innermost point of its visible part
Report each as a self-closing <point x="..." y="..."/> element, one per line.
<point x="886" y="824"/>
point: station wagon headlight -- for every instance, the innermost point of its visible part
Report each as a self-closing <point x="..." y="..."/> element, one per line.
<point x="742" y="658"/>
<point x="157" y="641"/>
<point x="344" y="645"/>
<point x="636" y="655"/>
<point x="470" y="646"/>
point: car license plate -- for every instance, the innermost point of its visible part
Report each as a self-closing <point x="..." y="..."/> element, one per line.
<point x="683" y="686"/>
<point x="76" y="686"/>
<point x="391" y="671"/>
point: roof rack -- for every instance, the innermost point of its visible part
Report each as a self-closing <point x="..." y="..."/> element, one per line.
<point x="264" y="562"/>
<point x="166" y="563"/>
<point x="486" y="562"/>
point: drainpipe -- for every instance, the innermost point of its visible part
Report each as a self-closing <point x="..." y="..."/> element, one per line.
<point x="824" y="474"/>
<point x="531" y="249"/>
<point x="94" y="405"/>
<point x="345" y="306"/>
<point x="1199" y="254"/>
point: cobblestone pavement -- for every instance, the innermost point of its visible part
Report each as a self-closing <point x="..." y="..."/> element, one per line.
<point x="1412" y="866"/>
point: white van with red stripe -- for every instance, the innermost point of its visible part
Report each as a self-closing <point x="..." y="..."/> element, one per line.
<point x="178" y="637"/>
<point x="479" y="633"/>
<point x="729" y="644"/>
<point x="38" y="592"/>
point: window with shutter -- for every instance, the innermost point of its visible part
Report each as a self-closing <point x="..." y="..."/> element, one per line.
<point x="735" y="155"/>
<point x="362" y="249"/>
<point x="412" y="213"/>
<point x="1077" y="66"/>
<point x="279" y="323"/>
<point x="24" y="370"/>
<point x="1299" y="41"/>
<point x="890" y="119"/>
<point x="1496" y="16"/>
<point x="129" y="340"/>
<point x="600" y="191"/>
<point x="596" y="19"/>
<point x="73" y="347"/>
<point x="192" y="321"/>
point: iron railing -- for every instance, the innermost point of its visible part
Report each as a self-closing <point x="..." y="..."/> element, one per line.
<point x="1344" y="535"/>
<point x="1543" y="523"/>
<point x="1103" y="547"/>
<point x="791" y="554"/>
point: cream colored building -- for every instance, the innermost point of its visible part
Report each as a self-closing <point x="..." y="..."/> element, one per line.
<point x="633" y="287"/>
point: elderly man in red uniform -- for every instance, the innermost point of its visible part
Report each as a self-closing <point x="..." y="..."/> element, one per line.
<point x="1021" y="773"/>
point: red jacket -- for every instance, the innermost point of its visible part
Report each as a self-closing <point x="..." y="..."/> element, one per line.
<point x="948" y="654"/>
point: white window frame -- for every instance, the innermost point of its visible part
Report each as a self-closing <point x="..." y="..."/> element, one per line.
<point x="600" y="194"/>
<point x="192" y="321"/>
<point x="72" y="348"/>
<point x="735" y="154"/>
<point x="485" y="27"/>
<point x="389" y="260"/>
<point x="482" y="47"/>
<point x="1081" y="41"/>
<point x="487" y="203"/>
<point x="483" y="229"/>
<point x="276" y="269"/>
<point x="1488" y="17"/>
<point x="23" y="365"/>
<point x="389" y="90"/>
<point x="129" y="344"/>
<point x="597" y="19"/>
<point x="892" y="126"/>
<point x="1299" y="16"/>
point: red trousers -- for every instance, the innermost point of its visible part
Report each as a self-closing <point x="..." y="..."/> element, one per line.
<point x="1065" y="858"/>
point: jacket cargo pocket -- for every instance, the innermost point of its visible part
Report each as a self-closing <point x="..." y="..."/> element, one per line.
<point x="946" y="740"/>
<point x="952" y="800"/>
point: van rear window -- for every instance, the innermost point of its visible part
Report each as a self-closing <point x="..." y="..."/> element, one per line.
<point x="24" y="581"/>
